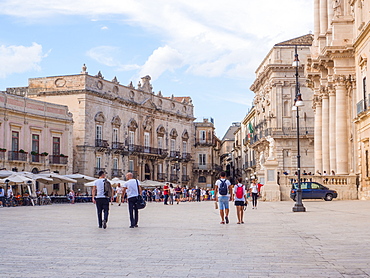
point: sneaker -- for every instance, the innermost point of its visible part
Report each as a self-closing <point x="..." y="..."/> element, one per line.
<point x="132" y="227"/>
<point x="119" y="204"/>
<point x="227" y="219"/>
<point x="104" y="224"/>
<point x="136" y="226"/>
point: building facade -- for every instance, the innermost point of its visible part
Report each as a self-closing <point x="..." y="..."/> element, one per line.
<point x="206" y="166"/>
<point x="274" y="136"/>
<point x="35" y="136"/>
<point x="120" y="129"/>
<point x="337" y="71"/>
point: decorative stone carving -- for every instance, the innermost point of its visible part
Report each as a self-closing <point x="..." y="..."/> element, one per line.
<point x="132" y="124"/>
<point x="147" y="124"/>
<point x="173" y="133"/>
<point x="99" y="117"/>
<point x="271" y="147"/>
<point x="337" y="8"/>
<point x="99" y="75"/>
<point x="115" y="81"/>
<point x="60" y="82"/>
<point x="161" y="130"/>
<point x="131" y="85"/>
<point x="99" y="85"/>
<point x="185" y="135"/>
<point x="84" y="68"/>
<point x="116" y="121"/>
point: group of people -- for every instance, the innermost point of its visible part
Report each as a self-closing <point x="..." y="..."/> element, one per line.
<point x="226" y="192"/>
<point x="102" y="199"/>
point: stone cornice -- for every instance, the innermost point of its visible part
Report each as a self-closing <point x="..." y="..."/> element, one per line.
<point x="362" y="36"/>
<point x="116" y="98"/>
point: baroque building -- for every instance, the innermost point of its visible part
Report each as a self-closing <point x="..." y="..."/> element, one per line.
<point x="120" y="129"/>
<point x="273" y="130"/>
<point x="206" y="166"/>
<point x="35" y="136"/>
<point x="337" y="71"/>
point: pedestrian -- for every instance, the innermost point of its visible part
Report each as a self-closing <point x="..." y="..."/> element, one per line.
<point x="119" y="191"/>
<point x="198" y="192"/>
<point x="101" y="201"/>
<point x="254" y="190"/>
<point x="223" y="193"/>
<point x="2" y="196"/>
<point x="133" y="188"/>
<point x="172" y="192"/>
<point x="178" y="193"/>
<point x="71" y="196"/>
<point x="166" y="193"/>
<point x="240" y="197"/>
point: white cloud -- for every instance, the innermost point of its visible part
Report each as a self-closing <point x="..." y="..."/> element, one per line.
<point x="219" y="39"/>
<point x="19" y="58"/>
<point x="106" y="55"/>
<point x="104" y="28"/>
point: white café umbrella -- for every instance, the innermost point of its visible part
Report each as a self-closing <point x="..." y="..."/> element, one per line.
<point x="36" y="177"/>
<point x="80" y="178"/>
<point x="5" y="173"/>
<point x="116" y="181"/>
<point x="56" y="178"/>
<point x="15" y="179"/>
<point x="150" y="183"/>
<point x="92" y="183"/>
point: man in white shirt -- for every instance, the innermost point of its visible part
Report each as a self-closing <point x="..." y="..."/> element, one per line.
<point x="119" y="194"/>
<point x="223" y="193"/>
<point x="9" y="193"/>
<point x="101" y="201"/>
<point x="133" y="189"/>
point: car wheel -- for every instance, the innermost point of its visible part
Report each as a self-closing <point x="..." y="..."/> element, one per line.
<point x="328" y="197"/>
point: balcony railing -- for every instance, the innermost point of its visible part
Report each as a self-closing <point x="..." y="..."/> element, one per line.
<point x="173" y="178"/>
<point x="185" y="178"/>
<point x="208" y="166"/>
<point x="97" y="170"/>
<point x="205" y="142"/>
<point x="147" y="150"/>
<point x="118" y="146"/>
<point x="174" y="154"/>
<point x="186" y="156"/>
<point x="2" y="155"/>
<point x="161" y="176"/>
<point x="57" y="159"/>
<point x="101" y="143"/>
<point x="17" y="156"/>
<point x="37" y="158"/>
<point x="117" y="173"/>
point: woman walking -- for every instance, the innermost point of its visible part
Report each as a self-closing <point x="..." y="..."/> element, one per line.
<point x="239" y="193"/>
<point x="254" y="191"/>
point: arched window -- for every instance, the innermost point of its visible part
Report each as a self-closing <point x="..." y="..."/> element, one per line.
<point x="202" y="179"/>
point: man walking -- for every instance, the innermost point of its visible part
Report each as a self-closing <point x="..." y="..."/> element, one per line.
<point x="132" y="186"/>
<point x="223" y="193"/>
<point x="101" y="200"/>
<point x="119" y="194"/>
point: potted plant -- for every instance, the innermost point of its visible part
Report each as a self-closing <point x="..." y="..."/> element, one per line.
<point x="2" y="150"/>
<point x="44" y="154"/>
<point x="62" y="155"/>
<point x="34" y="153"/>
<point x="22" y="151"/>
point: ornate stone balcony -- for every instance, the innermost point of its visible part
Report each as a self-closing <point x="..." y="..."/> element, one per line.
<point x="17" y="156"/>
<point x="58" y="159"/>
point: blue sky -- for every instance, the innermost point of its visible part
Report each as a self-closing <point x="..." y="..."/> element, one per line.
<point x="208" y="50"/>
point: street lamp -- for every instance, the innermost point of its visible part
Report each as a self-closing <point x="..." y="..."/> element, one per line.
<point x="298" y="206"/>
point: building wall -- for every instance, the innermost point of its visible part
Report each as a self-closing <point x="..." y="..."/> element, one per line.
<point x="31" y="117"/>
<point x="95" y="102"/>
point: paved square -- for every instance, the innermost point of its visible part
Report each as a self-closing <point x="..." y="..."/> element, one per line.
<point x="332" y="239"/>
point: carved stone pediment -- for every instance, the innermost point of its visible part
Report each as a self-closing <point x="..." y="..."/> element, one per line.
<point x="132" y="124"/>
<point x="185" y="135"/>
<point x="116" y="121"/>
<point x="161" y="130"/>
<point x="99" y="117"/>
<point x="148" y="124"/>
<point x="173" y="133"/>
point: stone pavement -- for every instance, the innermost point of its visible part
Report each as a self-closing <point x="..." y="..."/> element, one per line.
<point x="332" y="239"/>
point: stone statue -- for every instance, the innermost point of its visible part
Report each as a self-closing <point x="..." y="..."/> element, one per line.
<point x="337" y="7"/>
<point x="271" y="146"/>
<point x="262" y="160"/>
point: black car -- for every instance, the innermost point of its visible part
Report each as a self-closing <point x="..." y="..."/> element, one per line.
<point x="313" y="190"/>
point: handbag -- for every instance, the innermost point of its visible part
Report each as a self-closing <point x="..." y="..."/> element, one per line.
<point x="140" y="202"/>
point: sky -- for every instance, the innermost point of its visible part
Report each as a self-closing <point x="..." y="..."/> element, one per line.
<point x="208" y="50"/>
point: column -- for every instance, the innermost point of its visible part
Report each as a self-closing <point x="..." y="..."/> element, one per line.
<point x="155" y="171"/>
<point x="341" y="126"/>
<point x="325" y="133"/>
<point x="323" y="16"/>
<point x="318" y="136"/>
<point x="330" y="15"/>
<point x="332" y="131"/>
<point x="316" y="19"/>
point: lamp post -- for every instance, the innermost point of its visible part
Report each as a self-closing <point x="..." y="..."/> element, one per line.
<point x="298" y="206"/>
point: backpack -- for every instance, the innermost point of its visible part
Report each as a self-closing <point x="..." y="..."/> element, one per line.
<point x="239" y="192"/>
<point x="108" y="192"/>
<point x="223" y="188"/>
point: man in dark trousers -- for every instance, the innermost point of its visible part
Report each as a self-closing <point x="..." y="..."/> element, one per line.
<point x="133" y="189"/>
<point x="198" y="191"/>
<point x="101" y="201"/>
